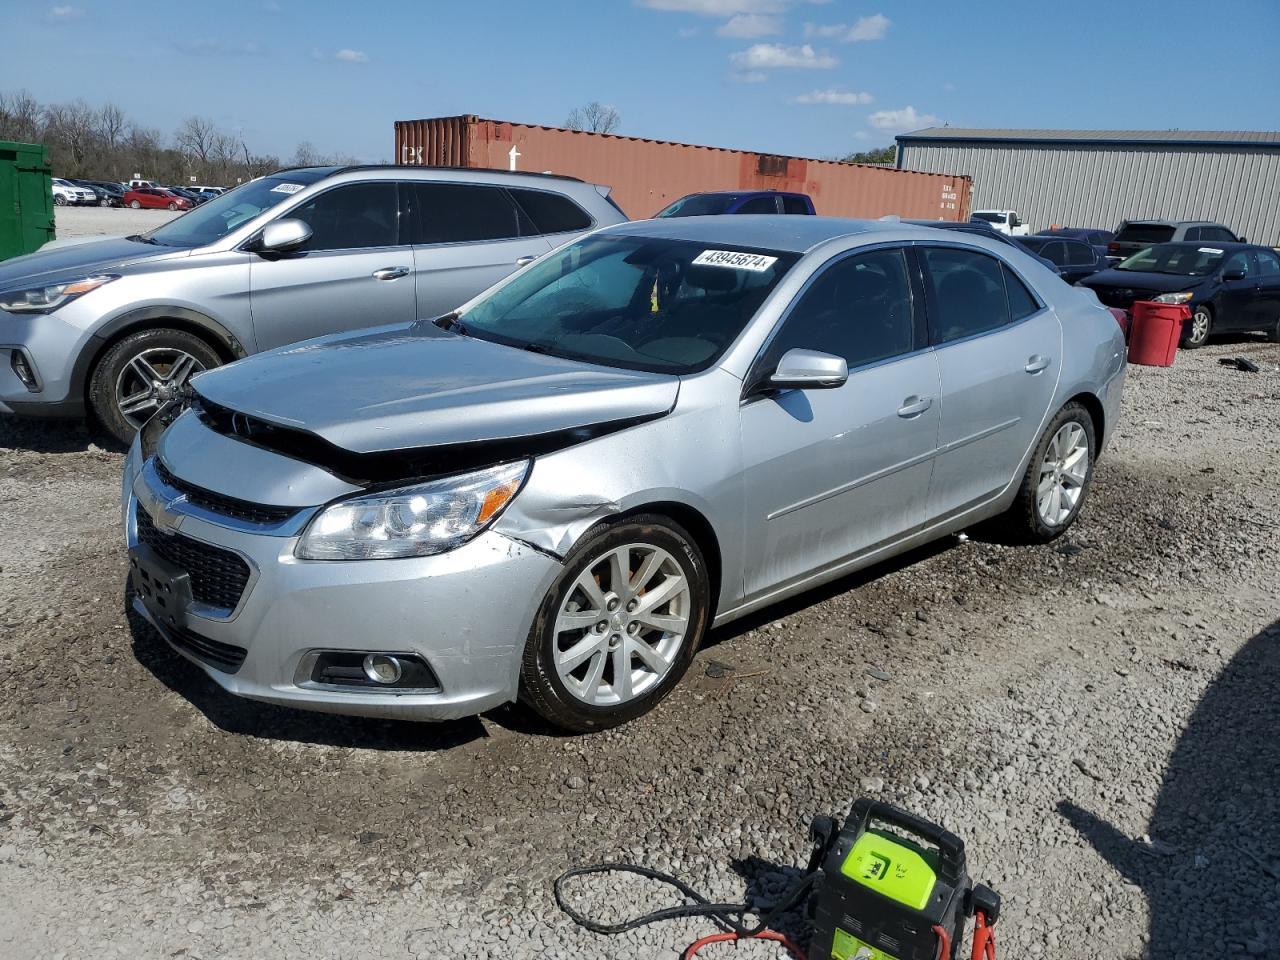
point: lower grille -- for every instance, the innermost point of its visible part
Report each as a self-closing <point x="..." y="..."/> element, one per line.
<point x="220" y="656"/>
<point x="218" y="577"/>
<point x="1124" y="299"/>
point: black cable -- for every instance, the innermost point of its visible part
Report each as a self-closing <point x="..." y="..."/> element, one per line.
<point x="701" y="907"/>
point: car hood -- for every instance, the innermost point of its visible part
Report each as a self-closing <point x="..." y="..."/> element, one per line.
<point x="405" y="388"/>
<point x="69" y="261"/>
<point x="1137" y="280"/>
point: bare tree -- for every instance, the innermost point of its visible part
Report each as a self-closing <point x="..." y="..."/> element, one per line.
<point x="70" y="129"/>
<point x="595" y="117"/>
<point x="195" y="139"/>
<point x="21" y="117"/>
<point x="306" y="155"/>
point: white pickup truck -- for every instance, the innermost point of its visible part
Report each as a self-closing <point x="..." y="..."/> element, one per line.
<point x="1005" y="221"/>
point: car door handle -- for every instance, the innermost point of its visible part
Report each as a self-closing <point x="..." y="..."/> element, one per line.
<point x="1036" y="363"/>
<point x="914" y="406"/>
<point x="390" y="273"/>
<point x="525" y="261"/>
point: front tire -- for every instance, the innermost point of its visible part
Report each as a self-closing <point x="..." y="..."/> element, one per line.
<point x="1200" y="325"/>
<point x="136" y="376"/>
<point x="135" y="204"/>
<point x="1057" y="480"/>
<point x="59" y="201"/>
<point x="173" y="206"/>
<point x="619" y="627"/>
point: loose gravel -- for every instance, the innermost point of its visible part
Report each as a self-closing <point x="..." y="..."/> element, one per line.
<point x="1097" y="718"/>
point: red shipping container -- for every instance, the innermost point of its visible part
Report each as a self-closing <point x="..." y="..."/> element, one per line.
<point x="646" y="175"/>
<point x="1155" y="332"/>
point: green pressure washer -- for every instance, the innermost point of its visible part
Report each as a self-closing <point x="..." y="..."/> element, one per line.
<point x="893" y="886"/>
<point x="888" y="885"/>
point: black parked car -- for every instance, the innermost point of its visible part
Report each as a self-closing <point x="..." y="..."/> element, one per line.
<point x="1098" y="239"/>
<point x="101" y="194"/>
<point x="1228" y="286"/>
<point x="1073" y="259"/>
<point x="983" y="229"/>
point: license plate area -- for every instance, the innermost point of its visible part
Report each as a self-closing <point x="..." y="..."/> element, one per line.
<point x="165" y="590"/>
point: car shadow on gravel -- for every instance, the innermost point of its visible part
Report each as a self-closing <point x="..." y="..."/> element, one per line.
<point x="48" y="436"/>
<point x="254" y="719"/>
<point x="1210" y="862"/>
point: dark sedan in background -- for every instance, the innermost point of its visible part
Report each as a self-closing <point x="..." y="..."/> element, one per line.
<point x="1227" y="286"/>
<point x="1098" y="239"/>
<point x="1072" y="259"/>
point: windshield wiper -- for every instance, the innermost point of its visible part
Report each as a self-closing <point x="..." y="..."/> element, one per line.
<point x="451" y="321"/>
<point x="534" y="348"/>
<point x="139" y="238"/>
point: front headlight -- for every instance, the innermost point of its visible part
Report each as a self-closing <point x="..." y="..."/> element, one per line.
<point x="416" y="521"/>
<point x="1181" y="297"/>
<point x="49" y="299"/>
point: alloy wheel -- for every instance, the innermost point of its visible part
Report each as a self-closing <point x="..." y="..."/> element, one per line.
<point x="1062" y="474"/>
<point x="150" y="379"/>
<point x="622" y="624"/>
<point x="1199" y="327"/>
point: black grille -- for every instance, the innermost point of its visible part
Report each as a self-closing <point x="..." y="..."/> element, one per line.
<point x="218" y="577"/>
<point x="224" y="505"/>
<point x="220" y="656"/>
<point x="1121" y="297"/>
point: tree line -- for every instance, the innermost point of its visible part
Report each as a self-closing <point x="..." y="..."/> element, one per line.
<point x="103" y="143"/>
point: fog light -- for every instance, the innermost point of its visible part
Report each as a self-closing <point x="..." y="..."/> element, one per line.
<point x="22" y="367"/>
<point x="381" y="668"/>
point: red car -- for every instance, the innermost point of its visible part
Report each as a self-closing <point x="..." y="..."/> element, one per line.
<point x="156" y="198"/>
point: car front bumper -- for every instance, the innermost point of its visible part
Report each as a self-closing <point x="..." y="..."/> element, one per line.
<point x="466" y="613"/>
<point x="57" y="350"/>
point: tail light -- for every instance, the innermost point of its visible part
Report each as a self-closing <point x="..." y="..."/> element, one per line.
<point x="1113" y="247"/>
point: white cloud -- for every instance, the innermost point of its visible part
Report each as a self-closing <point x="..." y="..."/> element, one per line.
<point x="61" y="14"/>
<point x="900" y="120"/>
<point x="839" y="97"/>
<point x="749" y="76"/>
<point x="770" y="56"/>
<point x="873" y="27"/>
<point x="716" y="8"/>
<point x="747" y="25"/>
<point x="351" y="56"/>
<point x="684" y="33"/>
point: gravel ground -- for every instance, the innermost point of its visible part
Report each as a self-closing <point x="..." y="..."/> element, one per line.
<point x="1097" y="718"/>
<point x="106" y="221"/>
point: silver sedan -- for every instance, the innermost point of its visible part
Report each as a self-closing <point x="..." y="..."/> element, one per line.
<point x="553" y="492"/>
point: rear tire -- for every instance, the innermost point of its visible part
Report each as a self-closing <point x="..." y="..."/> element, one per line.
<point x="118" y="375"/>
<point x="1055" y="485"/>
<point x="654" y="643"/>
<point x="1273" y="335"/>
<point x="1201" y="324"/>
<point x="59" y="201"/>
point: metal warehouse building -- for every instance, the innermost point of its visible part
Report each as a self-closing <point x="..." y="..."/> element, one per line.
<point x="1096" y="178"/>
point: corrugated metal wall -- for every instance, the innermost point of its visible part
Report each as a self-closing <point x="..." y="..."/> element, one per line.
<point x="646" y="175"/>
<point x="1094" y="186"/>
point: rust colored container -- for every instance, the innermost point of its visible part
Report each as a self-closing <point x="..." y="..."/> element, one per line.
<point x="646" y="175"/>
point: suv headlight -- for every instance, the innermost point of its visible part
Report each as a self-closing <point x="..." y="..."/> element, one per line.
<point x="416" y="521"/>
<point x="49" y="299"/>
<point x="1181" y="297"/>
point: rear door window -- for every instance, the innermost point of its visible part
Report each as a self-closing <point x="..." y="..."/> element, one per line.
<point x="1193" y="233"/>
<point x="1145" y="233"/>
<point x="1055" y="252"/>
<point x="1022" y="302"/>
<point x="760" y="205"/>
<point x="551" y="212"/>
<point x="1079" y="254"/>
<point x="461" y="213"/>
<point x="795" y="205"/>
<point x="968" y="293"/>
<point x="1268" y="265"/>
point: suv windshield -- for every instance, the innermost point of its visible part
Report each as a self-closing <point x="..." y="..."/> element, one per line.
<point x="1180" y="259"/>
<point x="700" y="205"/>
<point x="215" y="219"/>
<point x="641" y="303"/>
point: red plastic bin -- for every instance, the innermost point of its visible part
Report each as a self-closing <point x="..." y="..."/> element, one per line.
<point x="1155" y="332"/>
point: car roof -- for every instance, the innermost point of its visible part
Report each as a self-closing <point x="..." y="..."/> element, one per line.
<point x="1217" y="244"/>
<point x="1175" y="223"/>
<point x="766" y="231"/>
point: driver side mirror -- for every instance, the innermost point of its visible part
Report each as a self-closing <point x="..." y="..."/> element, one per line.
<point x="801" y="369"/>
<point x="1235" y="273"/>
<point x="281" y="236"/>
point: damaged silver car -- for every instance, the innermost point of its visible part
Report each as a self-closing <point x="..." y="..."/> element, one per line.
<point x="552" y="493"/>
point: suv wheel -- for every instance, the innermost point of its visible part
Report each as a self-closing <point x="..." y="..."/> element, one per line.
<point x="59" y="200"/>
<point x="1057" y="479"/>
<point x="1198" y="330"/>
<point x="619" y="627"/>
<point x="138" y="374"/>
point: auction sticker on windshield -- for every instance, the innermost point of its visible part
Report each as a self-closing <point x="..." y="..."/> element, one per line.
<point x="287" y="187"/>
<point x="734" y="260"/>
<point x="1208" y="250"/>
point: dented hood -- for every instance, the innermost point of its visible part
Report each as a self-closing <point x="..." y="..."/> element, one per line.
<point x="404" y="388"/>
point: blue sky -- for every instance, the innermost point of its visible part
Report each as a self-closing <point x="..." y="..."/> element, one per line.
<point x="789" y="76"/>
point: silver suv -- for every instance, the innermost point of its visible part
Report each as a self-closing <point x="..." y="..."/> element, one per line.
<point x="115" y="327"/>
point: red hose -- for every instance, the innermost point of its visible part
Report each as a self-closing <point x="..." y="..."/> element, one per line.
<point x="944" y="943"/>
<point x="733" y="937"/>
<point x="984" y="938"/>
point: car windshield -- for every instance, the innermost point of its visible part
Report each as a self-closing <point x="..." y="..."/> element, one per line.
<point x="988" y="217"/>
<point x="641" y="303"/>
<point x="1144" y="233"/>
<point x="700" y="205"/>
<point x="213" y="220"/>
<point x="1184" y="260"/>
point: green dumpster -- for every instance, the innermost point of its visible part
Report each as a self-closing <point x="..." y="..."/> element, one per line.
<point x="26" y="198"/>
